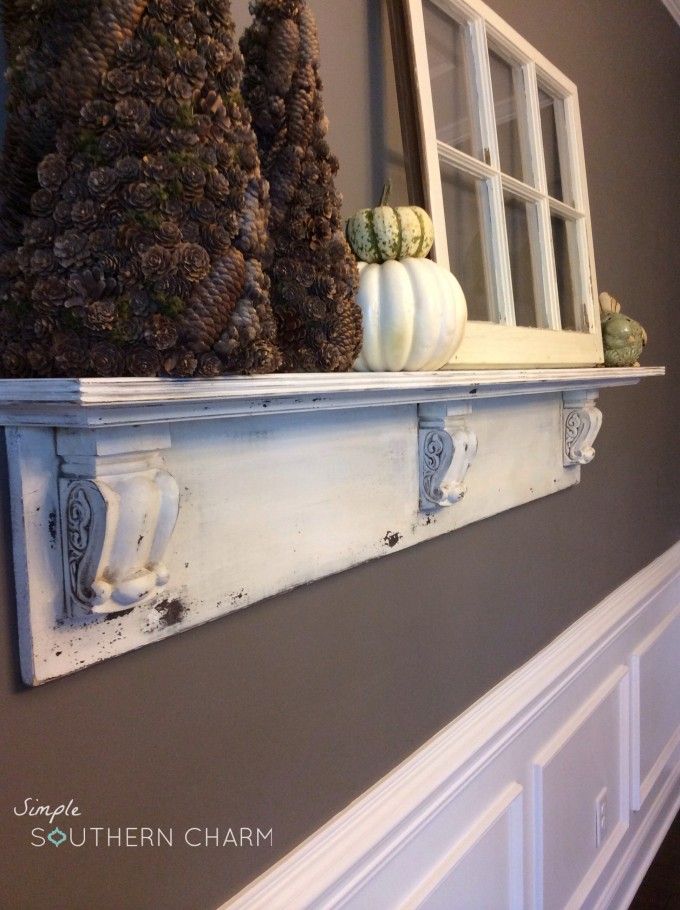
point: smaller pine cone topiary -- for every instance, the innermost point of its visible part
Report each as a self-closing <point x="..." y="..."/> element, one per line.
<point x="314" y="274"/>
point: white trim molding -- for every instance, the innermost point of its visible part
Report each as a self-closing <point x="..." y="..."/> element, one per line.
<point x="480" y="803"/>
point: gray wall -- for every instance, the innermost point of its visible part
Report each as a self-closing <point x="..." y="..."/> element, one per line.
<point x="280" y="715"/>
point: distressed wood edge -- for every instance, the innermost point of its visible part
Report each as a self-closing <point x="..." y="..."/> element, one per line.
<point x="114" y="392"/>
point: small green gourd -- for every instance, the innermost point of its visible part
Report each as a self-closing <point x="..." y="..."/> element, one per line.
<point x="387" y="233"/>
<point x="623" y="337"/>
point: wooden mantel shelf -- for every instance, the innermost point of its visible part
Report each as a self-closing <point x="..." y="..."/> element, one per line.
<point x="143" y="507"/>
<point x="105" y="402"/>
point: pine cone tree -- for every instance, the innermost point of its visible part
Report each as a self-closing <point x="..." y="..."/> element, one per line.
<point x="136" y="224"/>
<point x="314" y="274"/>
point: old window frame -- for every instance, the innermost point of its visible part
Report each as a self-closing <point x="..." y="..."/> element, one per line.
<point x="500" y="342"/>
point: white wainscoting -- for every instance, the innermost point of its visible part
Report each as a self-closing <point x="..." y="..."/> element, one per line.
<point x="499" y="811"/>
<point x="587" y="758"/>
<point x="655" y="665"/>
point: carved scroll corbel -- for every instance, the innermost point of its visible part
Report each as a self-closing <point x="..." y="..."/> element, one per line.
<point x="447" y="449"/>
<point x="581" y="421"/>
<point x="119" y="507"/>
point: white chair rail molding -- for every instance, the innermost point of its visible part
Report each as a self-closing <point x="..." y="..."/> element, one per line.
<point x="143" y="507"/>
<point x="552" y="792"/>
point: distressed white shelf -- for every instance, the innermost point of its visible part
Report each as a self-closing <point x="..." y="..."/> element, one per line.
<point x="142" y="507"/>
<point x="108" y="402"/>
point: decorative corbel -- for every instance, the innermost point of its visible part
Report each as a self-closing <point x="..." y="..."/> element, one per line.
<point x="581" y="422"/>
<point x="119" y="507"/>
<point x="447" y="449"/>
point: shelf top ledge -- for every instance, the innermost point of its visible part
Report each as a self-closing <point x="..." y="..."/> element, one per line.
<point x="120" y="401"/>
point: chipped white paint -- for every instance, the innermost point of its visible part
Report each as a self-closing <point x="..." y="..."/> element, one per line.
<point x="282" y="480"/>
<point x="447" y="449"/>
<point x="582" y="424"/>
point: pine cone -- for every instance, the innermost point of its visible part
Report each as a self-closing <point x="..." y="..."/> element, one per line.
<point x="102" y="182"/>
<point x="193" y="262"/>
<point x="161" y="333"/>
<point x="52" y="172"/>
<point x="156" y="262"/>
<point x="282" y="53"/>
<point x="142" y="361"/>
<point x="100" y="316"/>
<point x="106" y="359"/>
<point x="14" y="362"/>
<point x="210" y="366"/>
<point x="71" y="249"/>
<point x="70" y="355"/>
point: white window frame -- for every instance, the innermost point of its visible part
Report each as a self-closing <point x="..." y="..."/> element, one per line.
<point x="502" y="343"/>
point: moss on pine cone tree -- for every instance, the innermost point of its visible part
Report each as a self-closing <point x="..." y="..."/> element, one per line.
<point x="314" y="274"/>
<point x="144" y="218"/>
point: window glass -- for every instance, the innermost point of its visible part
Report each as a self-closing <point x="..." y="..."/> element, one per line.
<point x="564" y="242"/>
<point x="505" y="112"/>
<point x="522" y="264"/>
<point x="448" y="78"/>
<point x="551" y="149"/>
<point x="464" y="200"/>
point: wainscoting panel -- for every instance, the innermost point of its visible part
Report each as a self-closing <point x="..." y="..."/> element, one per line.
<point x="582" y="772"/>
<point x="655" y="673"/>
<point x="524" y="801"/>
<point x="487" y="860"/>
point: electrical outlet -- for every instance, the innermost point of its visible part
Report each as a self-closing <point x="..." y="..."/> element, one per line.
<point x="601" y="817"/>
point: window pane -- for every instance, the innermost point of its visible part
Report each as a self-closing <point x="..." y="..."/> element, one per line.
<point x="463" y="204"/>
<point x="551" y="148"/>
<point x="448" y="77"/>
<point x="521" y="260"/>
<point x="505" y="110"/>
<point x="566" y="263"/>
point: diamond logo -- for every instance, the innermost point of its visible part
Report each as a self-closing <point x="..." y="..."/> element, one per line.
<point x="56" y="837"/>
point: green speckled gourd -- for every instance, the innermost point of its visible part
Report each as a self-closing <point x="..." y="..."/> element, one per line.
<point x="386" y="233"/>
<point x="623" y="337"/>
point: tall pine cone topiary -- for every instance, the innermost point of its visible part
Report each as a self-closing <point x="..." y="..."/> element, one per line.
<point x="314" y="275"/>
<point x="143" y="221"/>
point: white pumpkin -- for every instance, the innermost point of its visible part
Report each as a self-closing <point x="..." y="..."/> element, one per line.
<point x="414" y="316"/>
